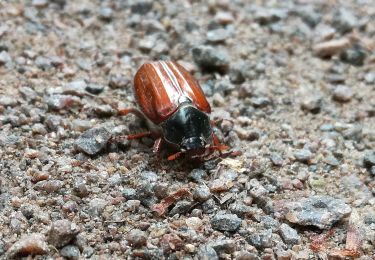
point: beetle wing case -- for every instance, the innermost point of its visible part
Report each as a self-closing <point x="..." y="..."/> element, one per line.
<point x="161" y="87"/>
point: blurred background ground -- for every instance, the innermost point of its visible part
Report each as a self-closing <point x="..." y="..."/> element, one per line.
<point x="292" y="81"/>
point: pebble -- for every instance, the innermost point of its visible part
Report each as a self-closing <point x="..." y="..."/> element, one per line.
<point x="4" y="58"/>
<point x="62" y="232"/>
<point x="118" y="81"/>
<point x="206" y="252"/>
<point x="261" y="239"/>
<point x="49" y="186"/>
<point x="209" y="58"/>
<point x="241" y="209"/>
<point x="137" y="238"/>
<point x="330" y="48"/>
<point x="223" y="246"/>
<point x="28" y="93"/>
<point x="276" y="159"/>
<point x="31" y="244"/>
<point x="226" y="222"/>
<point x="141" y="6"/>
<point x="43" y="63"/>
<point x="289" y="235"/>
<point x="217" y="36"/>
<point x="265" y="16"/>
<point x="93" y="140"/>
<point x="104" y="111"/>
<point x="344" y="20"/>
<point x="197" y="175"/>
<point x="40" y="3"/>
<point x="8" y="101"/>
<point x="369" y="159"/>
<point x="194" y="223"/>
<point x="244" y="255"/>
<point x="318" y="211"/>
<point x="94" y="89"/>
<point x="75" y="88"/>
<point x="312" y="104"/>
<point x="355" y="55"/>
<point x="224" y="18"/>
<point x="303" y="155"/>
<point x="106" y="13"/>
<point x="96" y="207"/>
<point x="342" y="94"/>
<point x="70" y="252"/>
<point x="181" y="207"/>
<point x="201" y="193"/>
<point x="59" y="102"/>
<point x="370" y="78"/>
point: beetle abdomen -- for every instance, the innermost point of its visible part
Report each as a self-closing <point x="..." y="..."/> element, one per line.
<point x="161" y="87"/>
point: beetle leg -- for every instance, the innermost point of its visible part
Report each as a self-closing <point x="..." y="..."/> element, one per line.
<point x="139" y="135"/>
<point x="157" y="146"/>
<point x="217" y="144"/>
<point x="133" y="110"/>
<point x="174" y="156"/>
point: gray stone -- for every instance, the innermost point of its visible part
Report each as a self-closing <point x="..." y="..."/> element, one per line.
<point x="342" y="94"/>
<point x="261" y="239"/>
<point x="344" y="20"/>
<point x="197" y="175"/>
<point x="303" y="155"/>
<point x="8" y="101"/>
<point x="106" y="13"/>
<point x="62" y="232"/>
<point x="217" y="35"/>
<point x="241" y="210"/>
<point x="223" y="246"/>
<point x="93" y="140"/>
<point x="206" y="252"/>
<point x="226" y="222"/>
<point x="43" y="63"/>
<point x="5" y="58"/>
<point x="75" y="88"/>
<point x="70" y="252"/>
<point x="318" y="211"/>
<point x="209" y="58"/>
<point x="181" y="207"/>
<point x="289" y="235"/>
<point x="201" y="193"/>
<point x="266" y="16"/>
<point x="355" y="55"/>
<point x="370" y="78"/>
<point x="129" y="193"/>
<point x="96" y="207"/>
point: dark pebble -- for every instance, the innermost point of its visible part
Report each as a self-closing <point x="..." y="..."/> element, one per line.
<point x="209" y="58"/>
<point x="94" y="88"/>
<point x="369" y="159"/>
<point x="93" y="140"/>
<point x="226" y="222"/>
<point x="354" y="56"/>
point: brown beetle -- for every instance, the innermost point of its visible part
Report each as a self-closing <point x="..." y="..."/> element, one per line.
<point x="175" y="108"/>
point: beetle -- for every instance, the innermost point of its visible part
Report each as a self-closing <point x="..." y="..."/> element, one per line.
<point x="175" y="109"/>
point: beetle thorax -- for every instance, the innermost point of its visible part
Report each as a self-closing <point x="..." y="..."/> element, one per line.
<point x="188" y="128"/>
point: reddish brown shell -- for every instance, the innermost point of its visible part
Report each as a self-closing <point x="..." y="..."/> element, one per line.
<point x="161" y="87"/>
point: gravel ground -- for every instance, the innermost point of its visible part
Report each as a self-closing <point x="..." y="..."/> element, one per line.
<point x="292" y="82"/>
